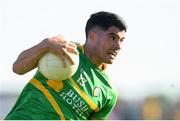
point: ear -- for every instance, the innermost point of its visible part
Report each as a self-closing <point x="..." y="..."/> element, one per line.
<point x="92" y="35"/>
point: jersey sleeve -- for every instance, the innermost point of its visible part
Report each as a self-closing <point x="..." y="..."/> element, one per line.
<point x="32" y="105"/>
<point x="104" y="112"/>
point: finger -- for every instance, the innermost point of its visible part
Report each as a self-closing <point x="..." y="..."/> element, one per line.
<point x="63" y="60"/>
<point x="58" y="37"/>
<point x="61" y="57"/>
<point x="61" y="41"/>
<point x="72" y="50"/>
<point x="76" y="43"/>
<point x="65" y="53"/>
<point x="72" y="44"/>
<point x="69" y="47"/>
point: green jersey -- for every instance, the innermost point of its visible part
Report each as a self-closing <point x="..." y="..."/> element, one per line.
<point x="88" y="94"/>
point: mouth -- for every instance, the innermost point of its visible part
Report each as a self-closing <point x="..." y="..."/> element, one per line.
<point x="112" y="55"/>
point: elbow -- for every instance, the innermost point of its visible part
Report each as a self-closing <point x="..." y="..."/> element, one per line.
<point x="16" y="69"/>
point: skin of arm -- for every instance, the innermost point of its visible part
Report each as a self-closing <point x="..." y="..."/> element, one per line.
<point x="28" y="59"/>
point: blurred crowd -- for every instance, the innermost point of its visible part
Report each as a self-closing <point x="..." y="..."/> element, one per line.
<point x="157" y="107"/>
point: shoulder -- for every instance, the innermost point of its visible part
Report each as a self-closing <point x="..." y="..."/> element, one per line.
<point x="112" y="93"/>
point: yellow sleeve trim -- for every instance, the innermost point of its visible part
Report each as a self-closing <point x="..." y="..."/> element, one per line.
<point x="82" y="48"/>
<point x="56" y="85"/>
<point x="38" y="85"/>
<point x="85" y="97"/>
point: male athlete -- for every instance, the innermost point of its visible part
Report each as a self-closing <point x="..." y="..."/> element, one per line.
<point x="88" y="94"/>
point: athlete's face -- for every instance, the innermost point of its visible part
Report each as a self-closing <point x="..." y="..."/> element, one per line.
<point x="108" y="44"/>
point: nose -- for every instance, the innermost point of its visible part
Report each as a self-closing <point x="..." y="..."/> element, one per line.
<point x="117" y="45"/>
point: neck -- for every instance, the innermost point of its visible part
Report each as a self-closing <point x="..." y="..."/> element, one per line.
<point x="90" y="53"/>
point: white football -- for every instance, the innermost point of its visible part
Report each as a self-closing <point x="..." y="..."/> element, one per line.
<point x="51" y="66"/>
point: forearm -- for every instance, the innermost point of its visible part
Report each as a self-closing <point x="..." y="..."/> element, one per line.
<point x="29" y="58"/>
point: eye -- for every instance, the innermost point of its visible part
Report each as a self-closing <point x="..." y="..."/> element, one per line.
<point x="122" y="39"/>
<point x="113" y="37"/>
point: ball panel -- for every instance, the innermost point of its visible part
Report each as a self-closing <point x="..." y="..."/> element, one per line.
<point x="52" y="68"/>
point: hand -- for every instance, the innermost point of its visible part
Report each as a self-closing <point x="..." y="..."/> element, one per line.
<point x="59" y="46"/>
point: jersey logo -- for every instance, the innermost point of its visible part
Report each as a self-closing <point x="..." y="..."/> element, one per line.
<point x="96" y="92"/>
<point x="82" y="80"/>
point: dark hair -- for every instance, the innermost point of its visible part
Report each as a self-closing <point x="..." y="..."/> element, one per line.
<point x="104" y="20"/>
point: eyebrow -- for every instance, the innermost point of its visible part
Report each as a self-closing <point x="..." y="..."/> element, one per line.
<point x="114" y="34"/>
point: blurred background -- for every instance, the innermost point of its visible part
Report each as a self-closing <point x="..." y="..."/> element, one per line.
<point x="146" y="72"/>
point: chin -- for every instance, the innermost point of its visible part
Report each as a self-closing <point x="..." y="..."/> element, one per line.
<point x="110" y="61"/>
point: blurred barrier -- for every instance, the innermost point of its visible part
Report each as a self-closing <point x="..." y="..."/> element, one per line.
<point x="6" y="103"/>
